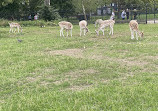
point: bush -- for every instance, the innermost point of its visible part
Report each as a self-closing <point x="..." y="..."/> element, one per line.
<point x="48" y="13"/>
<point x="4" y="23"/>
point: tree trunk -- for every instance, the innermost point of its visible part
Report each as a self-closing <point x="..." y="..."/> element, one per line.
<point x="84" y="12"/>
<point x="118" y="3"/>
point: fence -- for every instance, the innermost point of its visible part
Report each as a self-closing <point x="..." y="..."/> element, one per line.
<point x="143" y="13"/>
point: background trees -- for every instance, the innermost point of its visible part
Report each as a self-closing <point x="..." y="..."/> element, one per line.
<point x="20" y="9"/>
<point x="65" y="7"/>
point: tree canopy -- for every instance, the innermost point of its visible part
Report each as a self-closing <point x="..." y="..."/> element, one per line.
<point x="90" y="5"/>
<point x="22" y="8"/>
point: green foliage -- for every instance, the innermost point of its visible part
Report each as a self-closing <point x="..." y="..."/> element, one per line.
<point x="34" y="5"/>
<point x="48" y="13"/>
<point x="4" y="23"/>
<point x="5" y="2"/>
<point x="65" y="7"/>
<point x="90" y="5"/>
<point x="39" y="23"/>
<point x="21" y="9"/>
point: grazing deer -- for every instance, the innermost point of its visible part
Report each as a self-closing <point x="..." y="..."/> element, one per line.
<point x="14" y="25"/>
<point x="133" y="25"/>
<point x="98" y="22"/>
<point x="65" y="25"/>
<point x="83" y="26"/>
<point x="104" y="24"/>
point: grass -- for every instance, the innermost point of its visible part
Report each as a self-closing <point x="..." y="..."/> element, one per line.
<point x="46" y="72"/>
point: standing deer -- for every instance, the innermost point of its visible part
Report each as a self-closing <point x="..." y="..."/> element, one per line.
<point x="67" y="26"/>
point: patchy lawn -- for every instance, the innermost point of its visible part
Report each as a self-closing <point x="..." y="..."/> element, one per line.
<point x="88" y="73"/>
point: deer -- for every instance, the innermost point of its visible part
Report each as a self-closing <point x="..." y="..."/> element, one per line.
<point x="134" y="27"/>
<point x="104" y="24"/>
<point x="14" y="25"/>
<point x="67" y="26"/>
<point x="98" y="22"/>
<point x="83" y="26"/>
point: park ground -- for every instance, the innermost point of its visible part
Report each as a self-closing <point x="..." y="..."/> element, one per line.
<point x="46" y="72"/>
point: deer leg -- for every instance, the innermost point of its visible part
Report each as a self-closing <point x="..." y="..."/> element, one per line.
<point x="10" y="30"/>
<point x="112" y="30"/>
<point x="18" y="29"/>
<point x="60" y="32"/>
<point x="102" y="31"/>
<point x="15" y="30"/>
<point x="132" y="36"/>
<point x="67" y="33"/>
<point x="71" y="32"/>
<point x="136" y="35"/>
<point x="21" y="29"/>
<point x="84" y="31"/>
<point x="80" y="31"/>
<point x="98" y="30"/>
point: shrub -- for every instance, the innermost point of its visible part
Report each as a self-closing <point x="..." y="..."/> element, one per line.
<point x="4" y="23"/>
<point x="48" y="13"/>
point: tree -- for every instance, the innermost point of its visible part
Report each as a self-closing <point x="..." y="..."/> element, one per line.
<point x="65" y="7"/>
<point x="48" y="13"/>
<point x="90" y="5"/>
<point x="86" y="6"/>
<point x="19" y="9"/>
<point x="5" y="2"/>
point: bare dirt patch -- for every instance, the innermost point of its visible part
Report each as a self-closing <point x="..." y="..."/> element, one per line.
<point x="80" y="73"/>
<point x="33" y="79"/>
<point x="151" y="57"/>
<point x="75" y="75"/>
<point x="44" y="83"/>
<point x="77" y="53"/>
<point x="130" y="62"/>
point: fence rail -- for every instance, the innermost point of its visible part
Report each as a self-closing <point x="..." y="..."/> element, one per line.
<point x="143" y="14"/>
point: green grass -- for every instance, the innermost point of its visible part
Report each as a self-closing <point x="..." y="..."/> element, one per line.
<point x="46" y="72"/>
